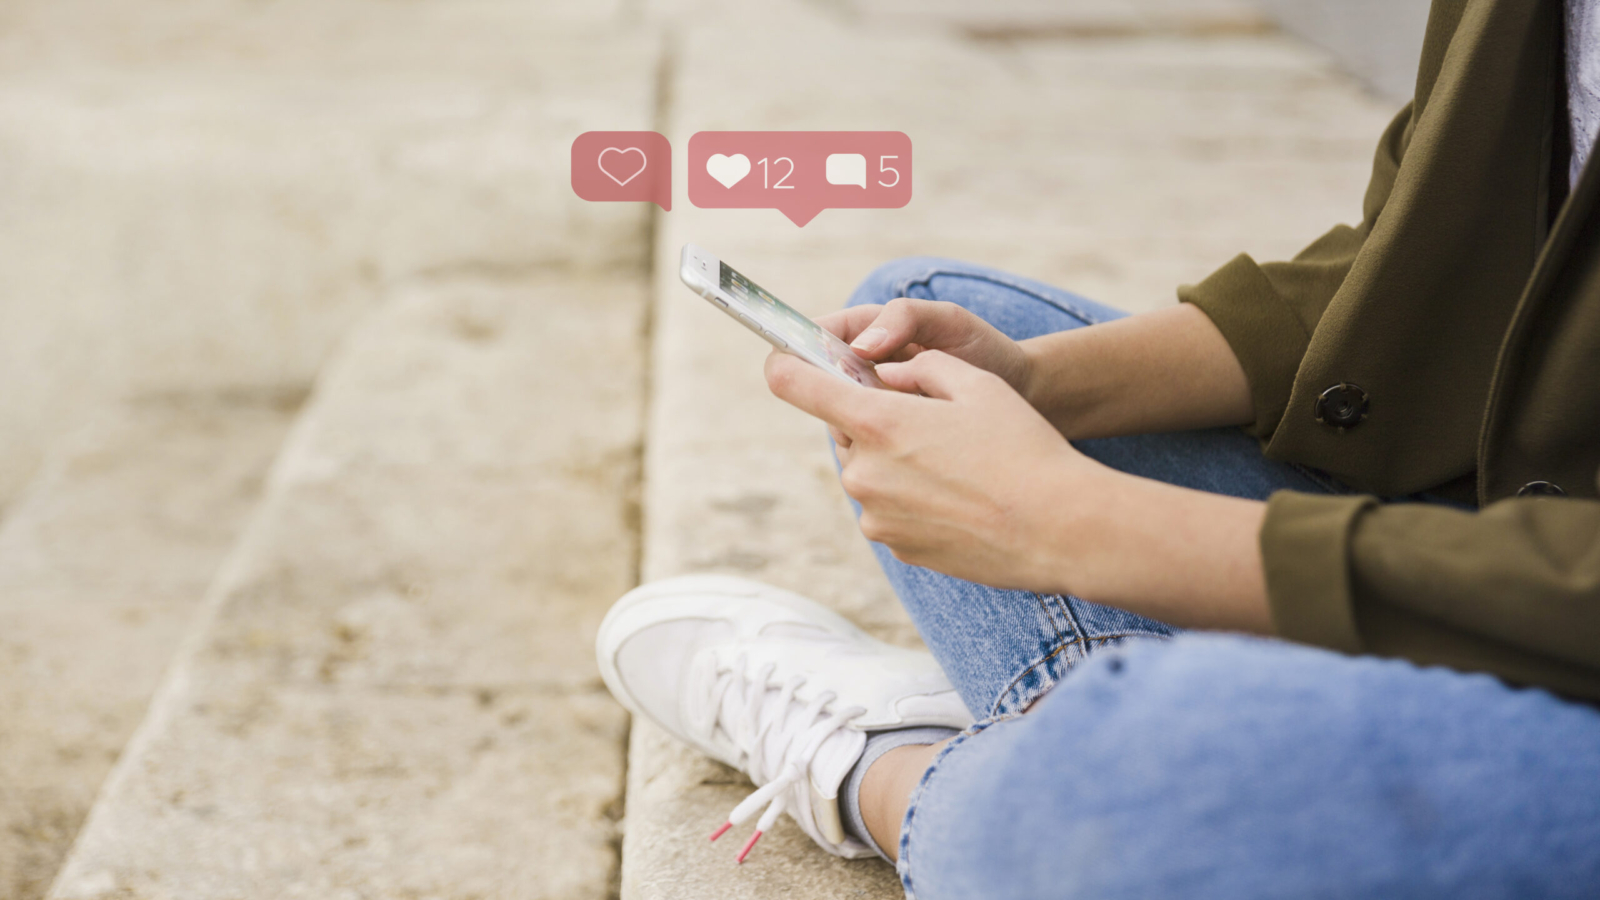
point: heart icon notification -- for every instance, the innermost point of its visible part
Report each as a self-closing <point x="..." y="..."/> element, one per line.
<point x="730" y="170"/>
<point x="800" y="173"/>
<point x="623" y="166"/>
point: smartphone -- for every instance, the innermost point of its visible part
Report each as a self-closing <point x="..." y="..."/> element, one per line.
<point x="780" y="324"/>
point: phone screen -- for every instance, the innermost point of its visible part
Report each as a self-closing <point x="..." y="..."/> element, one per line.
<point x="794" y="328"/>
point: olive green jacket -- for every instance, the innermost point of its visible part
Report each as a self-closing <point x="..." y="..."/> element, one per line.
<point x="1449" y="343"/>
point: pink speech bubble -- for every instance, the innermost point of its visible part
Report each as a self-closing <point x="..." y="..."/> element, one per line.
<point x="623" y="165"/>
<point x="800" y="173"/>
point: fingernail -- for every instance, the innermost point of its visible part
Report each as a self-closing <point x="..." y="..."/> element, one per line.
<point x="870" y="338"/>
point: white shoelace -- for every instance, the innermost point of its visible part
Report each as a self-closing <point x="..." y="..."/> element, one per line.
<point x="778" y="737"/>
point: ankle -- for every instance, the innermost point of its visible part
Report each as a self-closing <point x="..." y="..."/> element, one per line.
<point x="886" y="791"/>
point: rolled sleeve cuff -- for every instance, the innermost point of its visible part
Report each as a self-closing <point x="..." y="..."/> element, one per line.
<point x="1305" y="550"/>
<point x="1260" y="328"/>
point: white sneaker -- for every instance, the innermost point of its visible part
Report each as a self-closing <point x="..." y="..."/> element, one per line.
<point x="773" y="684"/>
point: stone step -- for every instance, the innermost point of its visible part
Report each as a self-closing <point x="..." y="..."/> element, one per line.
<point x="1115" y="167"/>
<point x="203" y="198"/>
<point x="391" y="689"/>
<point x="205" y="194"/>
<point x="103" y="562"/>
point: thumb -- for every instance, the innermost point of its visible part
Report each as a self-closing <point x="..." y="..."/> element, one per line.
<point x="905" y="321"/>
<point x="932" y="373"/>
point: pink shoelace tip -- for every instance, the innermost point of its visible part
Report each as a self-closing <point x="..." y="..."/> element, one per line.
<point x="749" y="844"/>
<point x="743" y="852"/>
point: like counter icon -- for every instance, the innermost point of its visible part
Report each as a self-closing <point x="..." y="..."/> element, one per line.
<point x="800" y="173"/>
<point x="729" y="170"/>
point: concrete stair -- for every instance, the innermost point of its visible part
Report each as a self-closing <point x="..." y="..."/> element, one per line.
<point x="209" y="194"/>
<point x="103" y="562"/>
<point x="515" y="412"/>
<point x="203" y="199"/>
<point x="389" y="690"/>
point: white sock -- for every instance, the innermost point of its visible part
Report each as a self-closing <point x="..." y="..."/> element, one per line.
<point x="879" y="743"/>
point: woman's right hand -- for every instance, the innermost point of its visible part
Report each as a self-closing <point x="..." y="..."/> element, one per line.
<point x="901" y="329"/>
<point x="1165" y="370"/>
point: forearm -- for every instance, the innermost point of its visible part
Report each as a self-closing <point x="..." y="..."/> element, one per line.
<point x="1181" y="556"/>
<point x="1169" y="370"/>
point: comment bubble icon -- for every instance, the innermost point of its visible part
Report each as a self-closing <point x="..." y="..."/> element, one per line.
<point x="623" y="166"/>
<point x="799" y="173"/>
<point x="847" y="168"/>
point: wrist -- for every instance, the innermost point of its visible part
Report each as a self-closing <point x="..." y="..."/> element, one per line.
<point x="1182" y="556"/>
<point x="1073" y="545"/>
<point x="1030" y="379"/>
<point x="1056" y="382"/>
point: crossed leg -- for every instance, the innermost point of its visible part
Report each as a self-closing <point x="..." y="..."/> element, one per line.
<point x="1207" y="765"/>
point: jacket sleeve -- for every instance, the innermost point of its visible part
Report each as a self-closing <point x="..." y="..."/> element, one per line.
<point x="1267" y="311"/>
<point x="1512" y="589"/>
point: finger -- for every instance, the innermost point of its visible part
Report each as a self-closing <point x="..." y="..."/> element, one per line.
<point x="847" y="323"/>
<point x="906" y="352"/>
<point x="906" y="321"/>
<point x="933" y="373"/>
<point x="840" y="439"/>
<point x="813" y="391"/>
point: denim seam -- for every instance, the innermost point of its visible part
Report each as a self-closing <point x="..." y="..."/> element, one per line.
<point x="903" y="866"/>
<point x="1051" y="615"/>
<point x="931" y="274"/>
<point x="1085" y="642"/>
<point x="1077" y="624"/>
<point x="994" y="710"/>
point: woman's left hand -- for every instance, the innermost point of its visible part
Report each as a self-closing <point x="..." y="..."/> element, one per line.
<point x="953" y="469"/>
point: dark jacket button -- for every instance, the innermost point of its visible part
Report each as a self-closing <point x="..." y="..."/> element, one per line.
<point x="1342" y="406"/>
<point x="1540" y="489"/>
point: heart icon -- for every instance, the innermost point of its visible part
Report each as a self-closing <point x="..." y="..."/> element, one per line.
<point x="622" y="153"/>
<point x="730" y="170"/>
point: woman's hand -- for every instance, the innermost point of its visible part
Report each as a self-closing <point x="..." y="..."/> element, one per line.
<point x="1167" y="370"/>
<point x="903" y="328"/>
<point x="957" y="473"/>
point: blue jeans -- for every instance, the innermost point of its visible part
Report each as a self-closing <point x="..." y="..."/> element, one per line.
<point x="1217" y="766"/>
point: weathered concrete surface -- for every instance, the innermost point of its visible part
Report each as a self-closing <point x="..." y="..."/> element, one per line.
<point x="207" y="194"/>
<point x="392" y="692"/>
<point x="1117" y="167"/>
<point x="102" y="565"/>
<point x="200" y="199"/>
<point x="676" y="797"/>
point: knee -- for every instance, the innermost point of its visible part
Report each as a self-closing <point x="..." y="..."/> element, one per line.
<point x="1208" y="761"/>
<point x="893" y="279"/>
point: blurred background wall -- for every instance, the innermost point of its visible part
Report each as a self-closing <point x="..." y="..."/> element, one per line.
<point x="1377" y="40"/>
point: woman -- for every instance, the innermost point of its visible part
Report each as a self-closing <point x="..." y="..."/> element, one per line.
<point x="1420" y="495"/>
